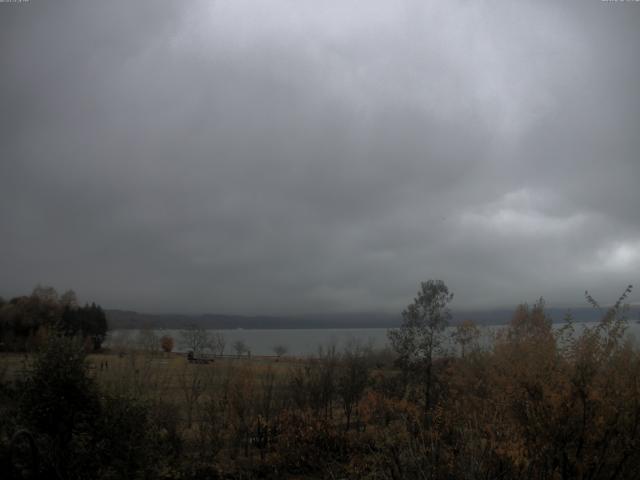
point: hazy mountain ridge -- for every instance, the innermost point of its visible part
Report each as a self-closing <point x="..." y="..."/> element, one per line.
<point x="123" y="319"/>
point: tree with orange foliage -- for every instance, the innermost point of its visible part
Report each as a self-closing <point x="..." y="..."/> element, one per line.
<point x="167" y="344"/>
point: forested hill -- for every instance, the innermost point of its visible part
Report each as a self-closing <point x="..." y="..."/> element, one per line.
<point x="122" y="319"/>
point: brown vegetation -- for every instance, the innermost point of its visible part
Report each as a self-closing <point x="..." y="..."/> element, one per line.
<point x="538" y="403"/>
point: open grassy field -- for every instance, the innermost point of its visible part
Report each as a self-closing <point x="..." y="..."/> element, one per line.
<point x="169" y="378"/>
<point x="157" y="372"/>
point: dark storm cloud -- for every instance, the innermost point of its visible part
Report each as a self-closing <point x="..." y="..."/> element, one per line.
<point x="277" y="157"/>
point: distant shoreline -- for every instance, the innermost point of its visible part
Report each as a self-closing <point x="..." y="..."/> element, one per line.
<point x="129" y="320"/>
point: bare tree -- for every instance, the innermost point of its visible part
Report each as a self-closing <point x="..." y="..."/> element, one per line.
<point x="314" y="383"/>
<point x="213" y="421"/>
<point x="280" y="350"/>
<point x="218" y="343"/>
<point x="242" y="406"/>
<point x="147" y="340"/>
<point x="266" y="402"/>
<point x="120" y="341"/>
<point x="192" y="384"/>
<point x="240" y="347"/>
<point x="353" y="377"/>
<point x="195" y="339"/>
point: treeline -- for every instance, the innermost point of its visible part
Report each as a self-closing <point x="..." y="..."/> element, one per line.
<point x="27" y="321"/>
<point x="538" y="403"/>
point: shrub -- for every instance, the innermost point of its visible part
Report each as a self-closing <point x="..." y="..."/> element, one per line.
<point x="167" y="344"/>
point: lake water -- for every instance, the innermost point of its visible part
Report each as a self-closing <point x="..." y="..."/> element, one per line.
<point x="298" y="342"/>
<point x="301" y="342"/>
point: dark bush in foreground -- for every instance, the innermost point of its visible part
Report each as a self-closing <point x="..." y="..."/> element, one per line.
<point x="78" y="432"/>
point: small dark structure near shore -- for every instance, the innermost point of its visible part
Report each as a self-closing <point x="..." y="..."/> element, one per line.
<point x="191" y="358"/>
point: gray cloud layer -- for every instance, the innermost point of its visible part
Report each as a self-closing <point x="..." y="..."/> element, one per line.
<point x="297" y="156"/>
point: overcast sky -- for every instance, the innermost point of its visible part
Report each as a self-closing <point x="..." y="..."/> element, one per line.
<point x="286" y="157"/>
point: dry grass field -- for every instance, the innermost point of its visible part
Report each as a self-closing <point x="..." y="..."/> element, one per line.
<point x="169" y="378"/>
